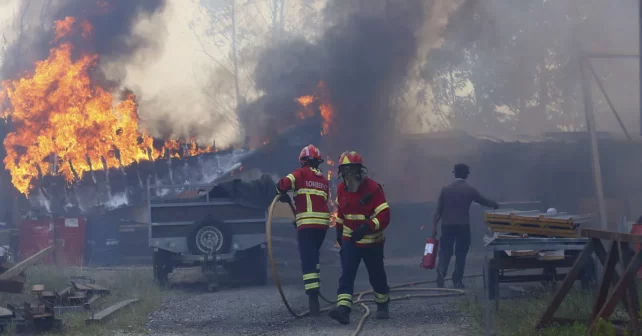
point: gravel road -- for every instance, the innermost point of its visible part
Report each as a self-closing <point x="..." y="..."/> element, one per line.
<point x="189" y="310"/>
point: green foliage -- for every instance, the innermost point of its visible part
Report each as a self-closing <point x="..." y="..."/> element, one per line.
<point x="518" y="317"/>
<point x="522" y="56"/>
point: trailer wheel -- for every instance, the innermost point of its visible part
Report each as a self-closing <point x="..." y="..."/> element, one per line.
<point x="207" y="236"/>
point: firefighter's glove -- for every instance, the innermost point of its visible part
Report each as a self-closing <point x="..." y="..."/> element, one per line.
<point x="360" y="232"/>
<point x="339" y="236"/>
<point x="285" y="198"/>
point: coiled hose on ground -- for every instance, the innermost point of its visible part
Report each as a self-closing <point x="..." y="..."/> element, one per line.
<point x="437" y="292"/>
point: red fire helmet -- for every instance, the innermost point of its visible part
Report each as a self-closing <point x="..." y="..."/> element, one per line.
<point x="350" y="158"/>
<point x="310" y="152"/>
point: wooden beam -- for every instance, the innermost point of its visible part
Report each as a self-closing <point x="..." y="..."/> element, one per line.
<point x="103" y="315"/>
<point x="605" y="282"/>
<point x="565" y="287"/>
<point x="618" y="292"/>
<point x="600" y="252"/>
<point x="21" y="266"/>
<point x="607" y="235"/>
<point x="633" y="304"/>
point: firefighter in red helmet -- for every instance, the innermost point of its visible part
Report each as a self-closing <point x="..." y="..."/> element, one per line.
<point x="312" y="216"/>
<point x="362" y="216"/>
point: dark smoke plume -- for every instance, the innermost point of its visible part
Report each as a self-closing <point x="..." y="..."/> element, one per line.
<point x="112" y="36"/>
<point x="363" y="58"/>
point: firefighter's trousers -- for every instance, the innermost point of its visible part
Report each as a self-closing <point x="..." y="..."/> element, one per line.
<point x="310" y="241"/>
<point x="351" y="257"/>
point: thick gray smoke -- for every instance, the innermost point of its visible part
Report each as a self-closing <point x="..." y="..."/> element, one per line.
<point x="112" y="36"/>
<point x="363" y="59"/>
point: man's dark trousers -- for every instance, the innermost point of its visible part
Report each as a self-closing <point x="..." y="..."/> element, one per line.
<point x="310" y="241"/>
<point x="454" y="238"/>
<point x="351" y="257"/>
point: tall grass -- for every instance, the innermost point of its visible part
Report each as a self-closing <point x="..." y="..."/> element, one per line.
<point x="519" y="316"/>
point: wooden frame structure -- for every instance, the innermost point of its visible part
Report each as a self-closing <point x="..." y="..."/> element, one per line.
<point x="613" y="287"/>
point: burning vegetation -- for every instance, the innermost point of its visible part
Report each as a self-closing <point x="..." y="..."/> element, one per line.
<point x="64" y="122"/>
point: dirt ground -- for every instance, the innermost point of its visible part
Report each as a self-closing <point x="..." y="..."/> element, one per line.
<point x="189" y="310"/>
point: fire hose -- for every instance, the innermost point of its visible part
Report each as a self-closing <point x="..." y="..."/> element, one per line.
<point x="439" y="292"/>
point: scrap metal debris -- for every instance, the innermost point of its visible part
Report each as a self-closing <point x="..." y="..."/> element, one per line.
<point x="103" y="315"/>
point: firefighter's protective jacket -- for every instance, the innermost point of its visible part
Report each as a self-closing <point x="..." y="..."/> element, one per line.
<point x="310" y="197"/>
<point x="367" y="205"/>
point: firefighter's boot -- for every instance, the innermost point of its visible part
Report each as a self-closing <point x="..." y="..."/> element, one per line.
<point x="382" y="311"/>
<point x="315" y="308"/>
<point x="341" y="314"/>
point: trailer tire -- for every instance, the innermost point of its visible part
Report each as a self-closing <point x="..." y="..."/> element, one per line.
<point x="208" y="234"/>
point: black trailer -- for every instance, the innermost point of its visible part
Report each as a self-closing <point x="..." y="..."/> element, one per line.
<point x="219" y="227"/>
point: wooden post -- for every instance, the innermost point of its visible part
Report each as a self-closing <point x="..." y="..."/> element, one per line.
<point x="590" y="127"/>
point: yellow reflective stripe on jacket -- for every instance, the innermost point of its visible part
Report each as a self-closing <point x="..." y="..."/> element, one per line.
<point x="354" y="217"/>
<point x="367" y="239"/>
<point x="318" y="221"/>
<point x="370" y="241"/>
<point x="306" y="191"/>
<point x="338" y="220"/>
<point x="292" y="179"/>
<point x="381" y="207"/>
<point x="376" y="223"/>
<point x="312" y="214"/>
<point x="308" y="203"/>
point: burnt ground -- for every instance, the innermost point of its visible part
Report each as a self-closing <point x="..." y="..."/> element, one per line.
<point x="189" y="310"/>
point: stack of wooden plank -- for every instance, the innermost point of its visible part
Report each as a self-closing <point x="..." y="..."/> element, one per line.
<point x="534" y="222"/>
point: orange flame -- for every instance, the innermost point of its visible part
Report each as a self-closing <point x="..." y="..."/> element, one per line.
<point x="305" y="100"/>
<point x="325" y="107"/>
<point x="63" y="27"/>
<point x="87" y="29"/>
<point x="57" y="112"/>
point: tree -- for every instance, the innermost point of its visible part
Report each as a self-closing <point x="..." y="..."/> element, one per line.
<point x="232" y="33"/>
<point x="519" y="61"/>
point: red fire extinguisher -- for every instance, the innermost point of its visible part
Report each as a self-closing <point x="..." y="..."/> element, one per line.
<point x="430" y="253"/>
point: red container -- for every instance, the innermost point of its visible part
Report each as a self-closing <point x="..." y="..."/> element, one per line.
<point x="36" y="235"/>
<point x="71" y="240"/>
<point x="430" y="254"/>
